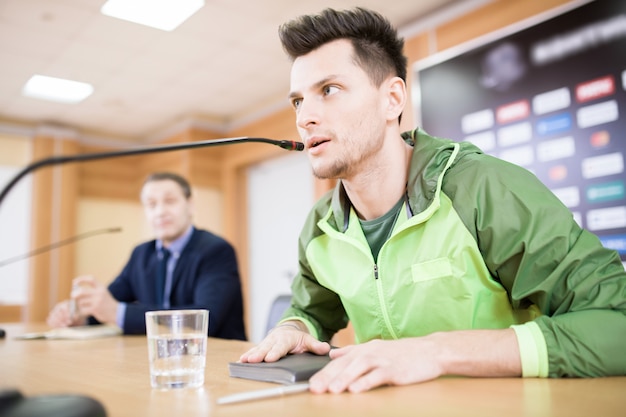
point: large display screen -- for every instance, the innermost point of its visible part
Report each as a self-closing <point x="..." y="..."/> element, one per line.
<point x="550" y="97"/>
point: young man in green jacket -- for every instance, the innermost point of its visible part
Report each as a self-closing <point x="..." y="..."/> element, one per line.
<point x="447" y="261"/>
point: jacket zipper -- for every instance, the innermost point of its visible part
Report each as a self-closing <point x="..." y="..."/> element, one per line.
<point x="383" y="305"/>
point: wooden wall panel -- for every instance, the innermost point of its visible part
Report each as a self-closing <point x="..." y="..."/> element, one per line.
<point x="110" y="178"/>
<point x="55" y="192"/>
<point x="279" y="126"/>
<point x="235" y="214"/>
<point x="11" y="313"/>
<point x="491" y="17"/>
<point x="102" y="186"/>
<point x="415" y="49"/>
<point x="205" y="169"/>
<point x="205" y="163"/>
<point x="68" y="202"/>
<point x="122" y="177"/>
<point x="15" y="150"/>
<point x="39" y="283"/>
<point x="177" y="162"/>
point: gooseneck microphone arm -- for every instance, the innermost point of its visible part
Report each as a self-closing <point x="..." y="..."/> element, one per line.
<point x="63" y="242"/>
<point x="285" y="144"/>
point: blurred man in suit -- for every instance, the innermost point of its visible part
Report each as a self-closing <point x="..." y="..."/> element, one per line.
<point x="182" y="268"/>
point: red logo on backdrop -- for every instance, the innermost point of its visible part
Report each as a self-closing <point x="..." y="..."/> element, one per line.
<point x="600" y="139"/>
<point x="594" y="89"/>
<point x="513" y="111"/>
<point x="558" y="173"/>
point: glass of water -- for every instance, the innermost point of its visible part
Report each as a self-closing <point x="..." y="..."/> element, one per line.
<point x="177" y="347"/>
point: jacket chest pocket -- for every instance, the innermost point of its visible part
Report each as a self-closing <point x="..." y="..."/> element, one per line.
<point x="431" y="270"/>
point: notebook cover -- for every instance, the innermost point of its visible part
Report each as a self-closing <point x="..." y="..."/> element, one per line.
<point x="76" y="332"/>
<point x="287" y="370"/>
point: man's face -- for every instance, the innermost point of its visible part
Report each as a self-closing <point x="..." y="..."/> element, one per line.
<point x="340" y="114"/>
<point x="167" y="210"/>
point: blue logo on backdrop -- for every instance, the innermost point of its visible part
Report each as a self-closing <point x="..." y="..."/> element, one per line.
<point x="615" y="242"/>
<point x="554" y="124"/>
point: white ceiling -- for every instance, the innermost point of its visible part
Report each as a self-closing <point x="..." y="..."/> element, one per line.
<point x="223" y="67"/>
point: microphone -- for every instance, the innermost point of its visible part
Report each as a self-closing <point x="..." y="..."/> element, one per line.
<point x="291" y="145"/>
<point x="285" y="144"/>
<point x="59" y="244"/>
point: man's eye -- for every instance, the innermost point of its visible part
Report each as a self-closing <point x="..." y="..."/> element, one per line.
<point x="295" y="103"/>
<point x="330" y="89"/>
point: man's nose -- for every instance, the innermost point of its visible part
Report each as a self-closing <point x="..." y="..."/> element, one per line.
<point x="308" y="114"/>
<point x="159" y="209"/>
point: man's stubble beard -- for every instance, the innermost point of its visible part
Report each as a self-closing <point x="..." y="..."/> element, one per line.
<point x="336" y="171"/>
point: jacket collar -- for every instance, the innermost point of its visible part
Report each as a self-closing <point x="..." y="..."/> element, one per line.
<point x="431" y="158"/>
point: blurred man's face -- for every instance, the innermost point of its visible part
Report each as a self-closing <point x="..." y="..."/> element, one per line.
<point x="167" y="210"/>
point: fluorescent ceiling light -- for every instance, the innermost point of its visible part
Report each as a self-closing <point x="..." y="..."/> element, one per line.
<point x="159" y="14"/>
<point x="56" y="89"/>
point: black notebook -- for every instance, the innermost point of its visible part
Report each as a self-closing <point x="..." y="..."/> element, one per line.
<point x="287" y="370"/>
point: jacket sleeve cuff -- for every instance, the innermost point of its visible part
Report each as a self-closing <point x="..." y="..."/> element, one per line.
<point x="312" y="330"/>
<point x="120" y="315"/>
<point x="533" y="350"/>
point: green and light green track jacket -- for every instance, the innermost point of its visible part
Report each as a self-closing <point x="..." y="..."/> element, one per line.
<point x="480" y="244"/>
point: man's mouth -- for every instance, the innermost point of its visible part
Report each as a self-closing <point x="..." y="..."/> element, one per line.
<point x="314" y="142"/>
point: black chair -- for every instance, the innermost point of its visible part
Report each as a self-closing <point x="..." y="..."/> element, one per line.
<point x="279" y="305"/>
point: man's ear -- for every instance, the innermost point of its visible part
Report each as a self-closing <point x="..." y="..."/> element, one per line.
<point x="396" y="97"/>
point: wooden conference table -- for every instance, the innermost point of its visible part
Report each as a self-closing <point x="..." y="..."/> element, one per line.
<point x="114" y="370"/>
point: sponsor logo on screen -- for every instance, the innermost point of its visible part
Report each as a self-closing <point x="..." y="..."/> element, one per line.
<point x="597" y="114"/>
<point x="513" y="112"/>
<point x="522" y="155"/>
<point x="557" y="173"/>
<point x="610" y="191"/>
<point x="484" y="140"/>
<point x="606" y="218"/>
<point x="555" y="124"/>
<point x="551" y="101"/>
<point x="603" y="165"/>
<point x="556" y="149"/>
<point x="515" y="134"/>
<point x="570" y="196"/>
<point x="595" y="89"/>
<point x="475" y="122"/>
<point x="600" y="139"/>
<point x="615" y="242"/>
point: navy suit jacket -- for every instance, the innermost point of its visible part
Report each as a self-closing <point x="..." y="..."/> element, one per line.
<point x="206" y="276"/>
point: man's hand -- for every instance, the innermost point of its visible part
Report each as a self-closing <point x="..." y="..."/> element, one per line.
<point x="61" y="316"/>
<point x="93" y="299"/>
<point x="480" y="353"/>
<point x="288" y="337"/>
<point x="358" y="368"/>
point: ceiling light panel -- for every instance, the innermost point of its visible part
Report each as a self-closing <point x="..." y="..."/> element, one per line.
<point x="56" y="89"/>
<point x="160" y="14"/>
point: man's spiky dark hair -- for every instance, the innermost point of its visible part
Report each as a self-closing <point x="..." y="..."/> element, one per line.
<point x="378" y="49"/>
